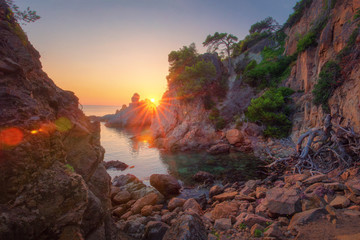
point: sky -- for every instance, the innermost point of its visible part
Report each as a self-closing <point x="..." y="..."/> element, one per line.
<point x="106" y="50"/>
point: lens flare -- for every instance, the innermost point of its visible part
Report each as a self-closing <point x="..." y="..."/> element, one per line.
<point x="63" y="124"/>
<point x="11" y="136"/>
<point x="34" y="132"/>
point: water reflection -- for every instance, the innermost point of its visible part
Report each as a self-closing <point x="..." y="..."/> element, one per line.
<point x="133" y="148"/>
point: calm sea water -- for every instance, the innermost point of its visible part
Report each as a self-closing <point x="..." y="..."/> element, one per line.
<point x="143" y="160"/>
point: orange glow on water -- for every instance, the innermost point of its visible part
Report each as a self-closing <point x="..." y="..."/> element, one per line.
<point x="11" y="136"/>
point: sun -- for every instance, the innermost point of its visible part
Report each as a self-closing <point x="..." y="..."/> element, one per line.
<point x="152" y="100"/>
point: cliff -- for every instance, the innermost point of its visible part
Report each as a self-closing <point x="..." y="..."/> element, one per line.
<point x="332" y="40"/>
<point x="333" y="30"/>
<point x="53" y="184"/>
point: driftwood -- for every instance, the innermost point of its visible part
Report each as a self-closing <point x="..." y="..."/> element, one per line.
<point x="327" y="148"/>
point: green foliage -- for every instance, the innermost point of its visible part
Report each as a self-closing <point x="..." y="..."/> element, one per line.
<point x="298" y="12"/>
<point x="248" y="42"/>
<point x="271" y="70"/>
<point x="272" y="110"/>
<point x="70" y="168"/>
<point x="258" y="233"/>
<point x="25" y="16"/>
<point x="329" y="80"/>
<point x="252" y="64"/>
<point x="267" y="25"/>
<point x="349" y="44"/>
<point x="306" y="41"/>
<point x="357" y="14"/>
<point x="188" y="73"/>
<point x="213" y="42"/>
<point x="216" y="119"/>
<point x="242" y="226"/>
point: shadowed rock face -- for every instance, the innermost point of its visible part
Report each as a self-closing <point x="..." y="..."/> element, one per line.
<point x="52" y="180"/>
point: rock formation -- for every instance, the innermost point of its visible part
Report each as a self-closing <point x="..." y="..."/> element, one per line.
<point x="139" y="114"/>
<point x="53" y="184"/>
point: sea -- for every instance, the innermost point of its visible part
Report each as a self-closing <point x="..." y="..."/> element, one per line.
<point x="144" y="159"/>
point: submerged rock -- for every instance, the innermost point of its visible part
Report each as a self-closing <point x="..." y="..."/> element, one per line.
<point x="219" y="149"/>
<point x="118" y="165"/>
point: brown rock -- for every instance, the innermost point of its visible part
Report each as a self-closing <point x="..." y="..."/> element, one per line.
<point x="224" y="210"/>
<point x="113" y="191"/>
<point x="281" y="201"/>
<point x="222" y="224"/>
<point x="295" y="177"/>
<point x="244" y="198"/>
<point x="146" y="210"/>
<point x="256" y="226"/>
<point x="274" y="231"/>
<point x="315" y="179"/>
<point x="119" y="211"/>
<point x="165" y="184"/>
<point x="149" y="199"/>
<point x="176" y="202"/>
<point x="122" y="197"/>
<point x="225" y="196"/>
<point x="260" y="192"/>
<point x="126" y="215"/>
<point x="168" y="217"/>
<point x="354" y="186"/>
<point x="215" y="190"/>
<point x="219" y="149"/>
<point x="251" y="219"/>
<point x="340" y="202"/>
<point x="336" y="186"/>
<point x="355" y="208"/>
<point x="313" y="201"/>
<point x="234" y="136"/>
<point x="192" y="204"/>
<point x="306" y="217"/>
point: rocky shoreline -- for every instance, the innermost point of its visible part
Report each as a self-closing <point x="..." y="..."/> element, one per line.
<point x="288" y="206"/>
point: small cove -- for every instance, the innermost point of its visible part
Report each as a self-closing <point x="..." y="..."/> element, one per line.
<point x="145" y="160"/>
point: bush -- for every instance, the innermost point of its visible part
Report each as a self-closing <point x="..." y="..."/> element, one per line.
<point x="216" y="119"/>
<point x="349" y="44"/>
<point x="306" y="41"/>
<point x="271" y="70"/>
<point x="329" y="80"/>
<point x="298" y="12"/>
<point x="357" y="14"/>
<point x="272" y="110"/>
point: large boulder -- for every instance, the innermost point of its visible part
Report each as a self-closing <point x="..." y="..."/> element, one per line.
<point x="202" y="176"/>
<point x="187" y="227"/>
<point x="234" y="136"/>
<point x="224" y="210"/>
<point x="150" y="199"/>
<point x="155" y="230"/>
<point x="165" y="184"/>
<point x="282" y="201"/>
<point x="118" y="165"/>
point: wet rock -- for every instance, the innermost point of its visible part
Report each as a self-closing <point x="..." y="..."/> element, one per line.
<point x="340" y="202"/>
<point x="222" y="224"/>
<point x="281" y="201"/>
<point x="225" y="196"/>
<point x="219" y="149"/>
<point x="215" y="190"/>
<point x="122" y="197"/>
<point x="118" y="165"/>
<point x="165" y="184"/>
<point x="176" y="202"/>
<point x="187" y="227"/>
<point x="202" y="176"/>
<point x="306" y="217"/>
<point x="224" y="210"/>
<point x="150" y="199"/>
<point x="234" y="136"/>
<point x="155" y="230"/>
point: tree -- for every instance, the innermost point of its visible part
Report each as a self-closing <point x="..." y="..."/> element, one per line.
<point x="267" y="25"/>
<point x="25" y="16"/>
<point x="213" y="42"/>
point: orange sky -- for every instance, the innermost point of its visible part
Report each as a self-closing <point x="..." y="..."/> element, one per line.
<point x="105" y="51"/>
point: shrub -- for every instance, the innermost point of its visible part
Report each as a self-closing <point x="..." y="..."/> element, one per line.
<point x="349" y="44"/>
<point x="272" y="69"/>
<point x="298" y="12"/>
<point x="306" y="41"/>
<point x="272" y="110"/>
<point x="216" y="119"/>
<point x="357" y="14"/>
<point x="329" y="80"/>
